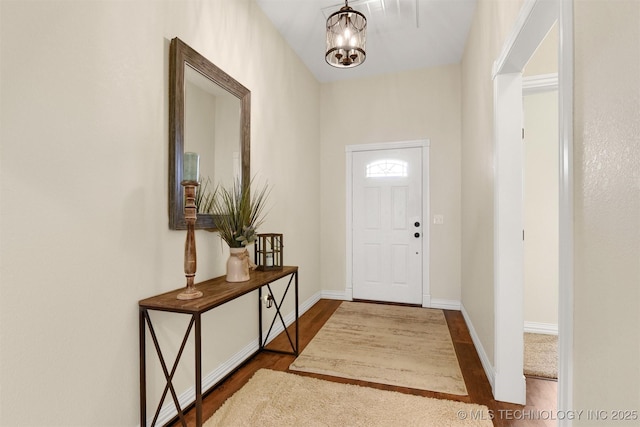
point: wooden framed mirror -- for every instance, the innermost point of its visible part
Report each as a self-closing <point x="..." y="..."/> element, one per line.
<point x="210" y="114"/>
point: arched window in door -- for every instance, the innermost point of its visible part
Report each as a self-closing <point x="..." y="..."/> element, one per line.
<point x="386" y="168"/>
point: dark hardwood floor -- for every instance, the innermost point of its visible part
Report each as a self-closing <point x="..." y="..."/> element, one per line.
<point x="541" y="394"/>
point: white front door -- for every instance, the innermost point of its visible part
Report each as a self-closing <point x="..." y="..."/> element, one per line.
<point x="387" y="225"/>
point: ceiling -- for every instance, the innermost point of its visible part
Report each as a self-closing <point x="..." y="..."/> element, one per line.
<point x="401" y="34"/>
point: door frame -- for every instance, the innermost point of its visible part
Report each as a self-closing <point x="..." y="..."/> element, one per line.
<point x="350" y="149"/>
<point x="534" y="21"/>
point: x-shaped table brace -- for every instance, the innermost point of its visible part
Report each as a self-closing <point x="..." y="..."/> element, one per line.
<point x="168" y="375"/>
<point x="277" y="315"/>
<point x="145" y="321"/>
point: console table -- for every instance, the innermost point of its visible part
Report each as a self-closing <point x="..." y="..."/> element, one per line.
<point x="215" y="293"/>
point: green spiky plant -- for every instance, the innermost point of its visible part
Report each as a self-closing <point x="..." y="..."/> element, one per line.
<point x="204" y="198"/>
<point x="237" y="213"/>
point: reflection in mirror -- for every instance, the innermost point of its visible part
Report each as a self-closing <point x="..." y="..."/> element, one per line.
<point x="211" y="129"/>
<point x="209" y="114"/>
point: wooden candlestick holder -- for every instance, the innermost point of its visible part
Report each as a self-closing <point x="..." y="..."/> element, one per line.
<point x="190" y="216"/>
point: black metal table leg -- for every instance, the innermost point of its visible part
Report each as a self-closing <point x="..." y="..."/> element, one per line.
<point x="297" y="316"/>
<point x="143" y="369"/>
<point x="198" y="344"/>
<point x="260" y="345"/>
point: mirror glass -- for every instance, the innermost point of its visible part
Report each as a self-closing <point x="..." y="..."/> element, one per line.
<point x="209" y="115"/>
<point x="212" y="129"/>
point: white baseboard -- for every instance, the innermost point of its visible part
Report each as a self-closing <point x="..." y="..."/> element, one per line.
<point x="169" y="411"/>
<point x="337" y="295"/>
<point x="541" y="328"/>
<point x="486" y="365"/>
<point x="445" y="304"/>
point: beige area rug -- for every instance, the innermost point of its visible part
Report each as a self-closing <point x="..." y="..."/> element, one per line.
<point x="541" y="355"/>
<point x="281" y="399"/>
<point x="394" y="345"/>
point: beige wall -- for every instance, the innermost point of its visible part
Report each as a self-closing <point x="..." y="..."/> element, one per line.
<point x="607" y="207"/>
<point x="541" y="187"/>
<point x="84" y="172"/>
<point x="545" y="59"/>
<point x="491" y="25"/>
<point x="540" y="211"/>
<point x="421" y="104"/>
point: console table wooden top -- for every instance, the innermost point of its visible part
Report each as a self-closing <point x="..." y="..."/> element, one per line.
<point x="215" y="291"/>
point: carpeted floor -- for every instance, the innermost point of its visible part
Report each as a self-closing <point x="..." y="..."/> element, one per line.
<point x="395" y="345"/>
<point x="272" y="398"/>
<point x="541" y="355"/>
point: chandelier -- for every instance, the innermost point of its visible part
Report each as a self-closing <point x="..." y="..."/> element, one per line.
<point x="346" y="38"/>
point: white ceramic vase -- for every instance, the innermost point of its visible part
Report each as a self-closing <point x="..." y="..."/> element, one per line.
<point x="238" y="265"/>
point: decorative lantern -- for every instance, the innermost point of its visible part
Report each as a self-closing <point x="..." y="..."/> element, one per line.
<point x="268" y="251"/>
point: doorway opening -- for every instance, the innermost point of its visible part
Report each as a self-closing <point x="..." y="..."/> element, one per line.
<point x="536" y="19"/>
